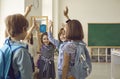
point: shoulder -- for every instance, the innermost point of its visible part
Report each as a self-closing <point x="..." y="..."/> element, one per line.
<point x="69" y="47"/>
<point x="21" y="55"/>
<point x="21" y="51"/>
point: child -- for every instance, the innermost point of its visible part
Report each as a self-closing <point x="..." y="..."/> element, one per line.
<point x="27" y="10"/>
<point x="16" y="27"/>
<point x="45" y="62"/>
<point x="74" y="33"/>
<point x="59" y="44"/>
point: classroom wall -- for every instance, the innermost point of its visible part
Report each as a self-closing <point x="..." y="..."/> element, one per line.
<point x="87" y="11"/>
<point x="56" y="18"/>
<point x="47" y="9"/>
<point x="44" y="8"/>
<point x="35" y="11"/>
<point x="0" y="22"/>
<point x="91" y="11"/>
<point x="0" y="12"/>
<point x="8" y="7"/>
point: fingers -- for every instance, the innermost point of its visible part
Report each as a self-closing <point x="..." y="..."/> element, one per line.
<point x="50" y="23"/>
<point x="66" y="11"/>
<point x="30" y="5"/>
<point x="35" y="25"/>
<point x="28" y="8"/>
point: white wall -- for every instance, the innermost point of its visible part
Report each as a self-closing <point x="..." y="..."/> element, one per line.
<point x="91" y="11"/>
<point x="47" y="8"/>
<point x="86" y="11"/>
<point x="8" y="7"/>
<point x="0" y="12"/>
<point x="0" y="23"/>
<point x="55" y="17"/>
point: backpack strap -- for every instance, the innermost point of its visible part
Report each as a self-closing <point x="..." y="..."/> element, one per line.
<point x="80" y="55"/>
<point x="11" y="70"/>
<point x="85" y="57"/>
<point x="2" y="65"/>
<point x="8" y="55"/>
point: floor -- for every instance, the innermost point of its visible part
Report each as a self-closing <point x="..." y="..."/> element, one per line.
<point x="99" y="70"/>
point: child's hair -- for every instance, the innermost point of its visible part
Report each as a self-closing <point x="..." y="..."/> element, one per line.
<point x="43" y="34"/>
<point x="60" y="32"/>
<point x="15" y="24"/>
<point x="74" y="30"/>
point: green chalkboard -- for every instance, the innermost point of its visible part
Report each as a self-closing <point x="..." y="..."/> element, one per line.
<point x="103" y="34"/>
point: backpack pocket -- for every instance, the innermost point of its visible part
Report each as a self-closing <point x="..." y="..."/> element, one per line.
<point x="80" y="70"/>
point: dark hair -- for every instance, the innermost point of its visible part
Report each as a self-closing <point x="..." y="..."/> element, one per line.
<point x="74" y="30"/>
<point x="68" y="20"/>
<point x="15" y="24"/>
<point x="43" y="34"/>
<point x="60" y="32"/>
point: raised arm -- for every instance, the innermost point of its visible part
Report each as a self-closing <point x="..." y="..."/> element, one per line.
<point x="66" y="14"/>
<point x="34" y="24"/>
<point x="50" y="36"/>
<point x="27" y="10"/>
<point x="38" y="39"/>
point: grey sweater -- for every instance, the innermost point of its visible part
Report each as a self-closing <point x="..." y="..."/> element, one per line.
<point x="21" y="61"/>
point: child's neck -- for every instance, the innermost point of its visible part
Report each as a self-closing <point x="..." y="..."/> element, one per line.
<point x="17" y="37"/>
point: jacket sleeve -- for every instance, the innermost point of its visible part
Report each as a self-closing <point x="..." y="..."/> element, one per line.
<point x="22" y="63"/>
<point x="52" y="40"/>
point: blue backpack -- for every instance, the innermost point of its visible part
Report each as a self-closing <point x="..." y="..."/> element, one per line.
<point x="82" y="66"/>
<point x="6" y="55"/>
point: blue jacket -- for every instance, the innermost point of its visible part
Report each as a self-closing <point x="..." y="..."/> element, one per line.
<point x="59" y="46"/>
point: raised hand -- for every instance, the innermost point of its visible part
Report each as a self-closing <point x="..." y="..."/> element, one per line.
<point x="34" y="24"/>
<point x="28" y="9"/>
<point x="66" y="12"/>
<point x="50" y="24"/>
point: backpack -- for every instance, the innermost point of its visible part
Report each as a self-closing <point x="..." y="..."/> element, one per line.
<point x="82" y="66"/>
<point x="6" y="55"/>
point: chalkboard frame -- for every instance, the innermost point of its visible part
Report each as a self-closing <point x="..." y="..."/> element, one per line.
<point x="105" y="46"/>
